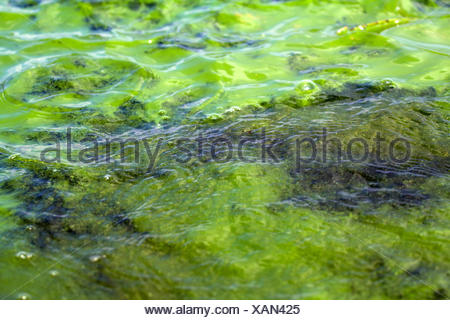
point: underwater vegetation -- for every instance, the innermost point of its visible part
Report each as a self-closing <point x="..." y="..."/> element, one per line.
<point x="281" y="227"/>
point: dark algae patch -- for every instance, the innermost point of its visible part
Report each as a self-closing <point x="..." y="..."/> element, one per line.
<point x="172" y="220"/>
<point x="24" y="3"/>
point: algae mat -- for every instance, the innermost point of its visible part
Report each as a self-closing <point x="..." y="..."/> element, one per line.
<point x="176" y="149"/>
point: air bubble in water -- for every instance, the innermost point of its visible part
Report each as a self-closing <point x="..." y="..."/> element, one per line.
<point x="23" y="255"/>
<point x="54" y="273"/>
<point x="23" y="296"/>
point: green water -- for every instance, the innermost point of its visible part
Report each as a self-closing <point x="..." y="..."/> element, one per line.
<point x="197" y="229"/>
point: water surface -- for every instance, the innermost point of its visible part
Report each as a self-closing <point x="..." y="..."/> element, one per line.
<point x="201" y="229"/>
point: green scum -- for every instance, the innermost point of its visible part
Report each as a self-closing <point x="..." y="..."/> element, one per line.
<point x="163" y="72"/>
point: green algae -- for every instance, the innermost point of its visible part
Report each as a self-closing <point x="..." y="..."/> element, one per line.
<point x="68" y="79"/>
<point x="205" y="229"/>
